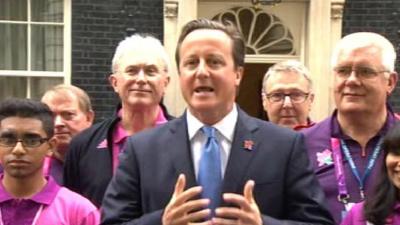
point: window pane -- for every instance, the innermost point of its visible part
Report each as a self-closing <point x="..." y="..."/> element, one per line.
<point x="41" y="84"/>
<point x="13" y="47"/>
<point x="13" y="10"/>
<point x="47" y="48"/>
<point x="47" y="10"/>
<point x="12" y="87"/>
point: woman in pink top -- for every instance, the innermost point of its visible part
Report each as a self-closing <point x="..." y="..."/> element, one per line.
<point x="383" y="206"/>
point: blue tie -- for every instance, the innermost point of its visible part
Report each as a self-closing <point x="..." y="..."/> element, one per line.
<point x="210" y="169"/>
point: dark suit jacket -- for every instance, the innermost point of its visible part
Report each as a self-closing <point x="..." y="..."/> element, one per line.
<point x="286" y="189"/>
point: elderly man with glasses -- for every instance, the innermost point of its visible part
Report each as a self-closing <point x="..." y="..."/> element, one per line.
<point x="345" y="148"/>
<point x="287" y="94"/>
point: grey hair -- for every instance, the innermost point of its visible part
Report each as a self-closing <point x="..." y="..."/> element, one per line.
<point x="135" y="41"/>
<point x="286" y="66"/>
<point x="367" y="39"/>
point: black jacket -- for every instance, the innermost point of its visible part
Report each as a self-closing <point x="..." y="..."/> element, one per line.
<point x="88" y="164"/>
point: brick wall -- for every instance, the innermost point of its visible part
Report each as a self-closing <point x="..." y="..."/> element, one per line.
<point x="380" y="16"/>
<point x="97" y="27"/>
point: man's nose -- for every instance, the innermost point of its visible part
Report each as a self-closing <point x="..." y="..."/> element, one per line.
<point x="202" y="69"/>
<point x="141" y="76"/>
<point x="58" y="121"/>
<point x="352" y="76"/>
<point x="18" y="149"/>
<point x="287" y="102"/>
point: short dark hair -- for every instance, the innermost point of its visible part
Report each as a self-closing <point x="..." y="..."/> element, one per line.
<point x="238" y="46"/>
<point x="380" y="204"/>
<point x="28" y="108"/>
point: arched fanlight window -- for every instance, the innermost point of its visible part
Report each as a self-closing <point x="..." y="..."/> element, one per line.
<point x="264" y="33"/>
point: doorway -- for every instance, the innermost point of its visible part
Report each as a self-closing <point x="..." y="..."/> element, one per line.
<point x="249" y="97"/>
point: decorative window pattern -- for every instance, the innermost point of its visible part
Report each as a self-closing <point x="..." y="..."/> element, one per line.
<point x="264" y="33"/>
<point x="31" y="47"/>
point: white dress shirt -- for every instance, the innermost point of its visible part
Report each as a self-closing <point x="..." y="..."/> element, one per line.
<point x="225" y="130"/>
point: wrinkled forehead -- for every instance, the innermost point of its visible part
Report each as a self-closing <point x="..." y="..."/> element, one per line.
<point x="287" y="79"/>
<point x="367" y="54"/>
<point x="142" y="57"/>
<point x="59" y="96"/>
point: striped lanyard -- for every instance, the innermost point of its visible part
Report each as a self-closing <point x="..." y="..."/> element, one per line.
<point x="35" y="219"/>
<point x="338" y="145"/>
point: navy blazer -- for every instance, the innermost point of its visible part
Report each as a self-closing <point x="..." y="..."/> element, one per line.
<point x="286" y="189"/>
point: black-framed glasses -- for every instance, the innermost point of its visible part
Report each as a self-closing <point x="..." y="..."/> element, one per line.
<point x="295" y="97"/>
<point x="27" y="142"/>
<point x="361" y="72"/>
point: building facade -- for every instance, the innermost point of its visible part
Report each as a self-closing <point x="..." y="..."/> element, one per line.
<point x="48" y="42"/>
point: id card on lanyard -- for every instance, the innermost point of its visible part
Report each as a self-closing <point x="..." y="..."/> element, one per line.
<point x="338" y="145"/>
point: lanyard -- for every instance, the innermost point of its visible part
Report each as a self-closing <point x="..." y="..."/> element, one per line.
<point x="118" y="148"/>
<point x="35" y="219"/>
<point x="343" y="195"/>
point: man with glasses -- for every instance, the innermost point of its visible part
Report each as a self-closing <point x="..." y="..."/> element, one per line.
<point x="345" y="148"/>
<point x="287" y="94"/>
<point x="27" y="196"/>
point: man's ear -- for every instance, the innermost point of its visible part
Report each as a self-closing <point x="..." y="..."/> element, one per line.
<point x="90" y="116"/>
<point x="311" y="97"/>
<point x="53" y="145"/>
<point x="239" y="75"/>
<point x="113" y="81"/>
<point x="167" y="80"/>
<point x="392" y="81"/>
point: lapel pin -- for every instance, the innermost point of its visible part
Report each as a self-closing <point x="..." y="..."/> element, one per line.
<point x="248" y="144"/>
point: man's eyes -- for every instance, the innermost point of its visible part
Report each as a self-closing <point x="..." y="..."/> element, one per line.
<point x="190" y="62"/>
<point x="210" y="62"/>
<point x="151" y="70"/>
<point x="67" y="115"/>
<point x="214" y="62"/>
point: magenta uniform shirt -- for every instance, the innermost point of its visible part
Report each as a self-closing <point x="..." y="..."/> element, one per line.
<point x="356" y="216"/>
<point x="59" y="206"/>
<point x="120" y="136"/>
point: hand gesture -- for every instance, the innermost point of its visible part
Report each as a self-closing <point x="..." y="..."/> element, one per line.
<point x="247" y="212"/>
<point x="182" y="209"/>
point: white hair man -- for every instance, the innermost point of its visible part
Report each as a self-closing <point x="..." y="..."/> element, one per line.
<point x="140" y="77"/>
<point x="345" y="148"/>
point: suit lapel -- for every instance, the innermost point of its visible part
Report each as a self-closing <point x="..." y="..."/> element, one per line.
<point x="179" y="149"/>
<point x="244" y="147"/>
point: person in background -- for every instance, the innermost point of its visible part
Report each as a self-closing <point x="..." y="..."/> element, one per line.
<point x="214" y="163"/>
<point x="72" y="113"/>
<point x="383" y="205"/>
<point x="140" y="68"/>
<point x="287" y="95"/>
<point x="27" y="196"/>
<point x="345" y="149"/>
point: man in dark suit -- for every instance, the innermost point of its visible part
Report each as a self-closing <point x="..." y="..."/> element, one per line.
<point x="263" y="170"/>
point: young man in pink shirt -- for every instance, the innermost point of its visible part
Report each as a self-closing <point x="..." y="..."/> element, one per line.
<point x="27" y="196"/>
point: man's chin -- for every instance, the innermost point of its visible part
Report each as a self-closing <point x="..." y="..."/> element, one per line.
<point x="62" y="146"/>
<point x="352" y="108"/>
<point x="288" y="122"/>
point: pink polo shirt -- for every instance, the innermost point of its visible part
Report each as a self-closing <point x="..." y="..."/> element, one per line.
<point x="120" y="136"/>
<point x="60" y="206"/>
